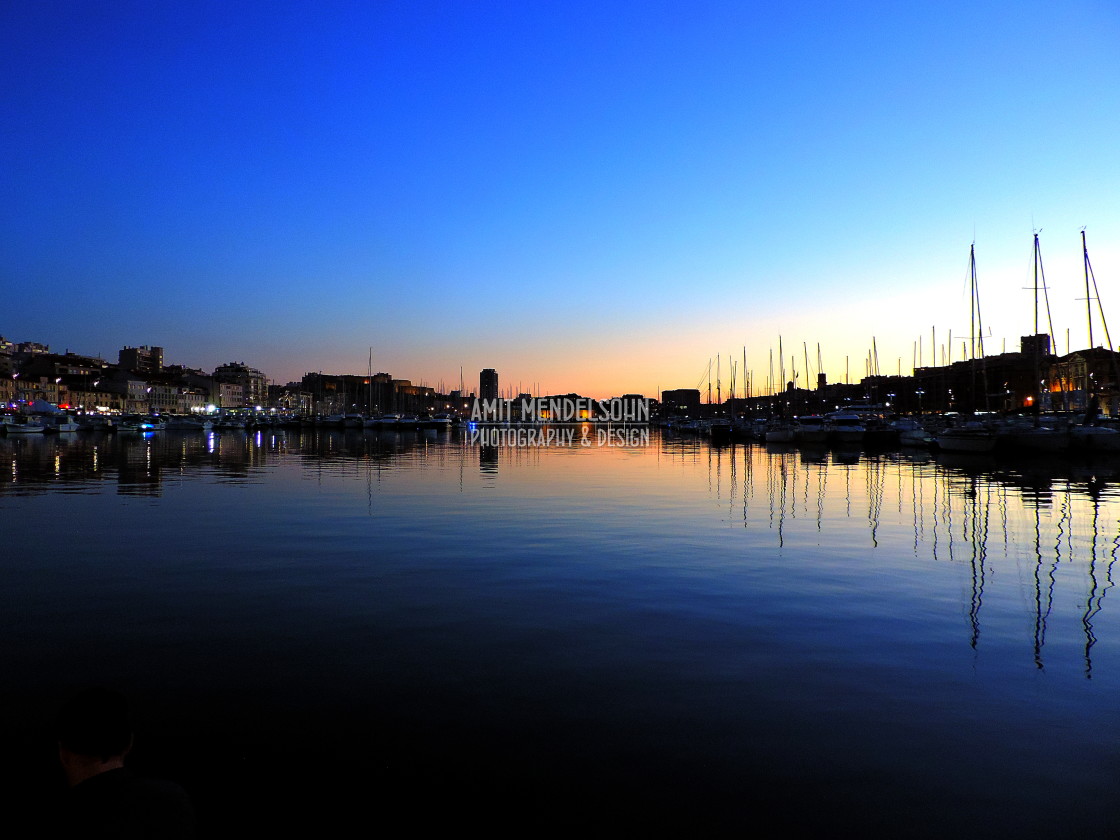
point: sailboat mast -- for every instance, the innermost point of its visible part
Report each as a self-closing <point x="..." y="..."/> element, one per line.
<point x="1104" y="323"/>
<point x="1036" y="284"/>
<point x="1088" y="294"/>
<point x="781" y="364"/>
<point x="808" y="373"/>
<point x="977" y="324"/>
<point x="972" y="302"/>
<point x="1040" y="284"/>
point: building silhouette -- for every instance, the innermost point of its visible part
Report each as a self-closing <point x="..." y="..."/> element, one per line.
<point x="141" y="359"/>
<point x="488" y="384"/>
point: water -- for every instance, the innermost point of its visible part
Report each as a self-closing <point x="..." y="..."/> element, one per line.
<point x="317" y="626"/>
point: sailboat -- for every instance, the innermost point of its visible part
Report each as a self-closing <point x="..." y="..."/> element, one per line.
<point x="972" y="435"/>
<point x="1030" y="434"/>
<point x="1088" y="434"/>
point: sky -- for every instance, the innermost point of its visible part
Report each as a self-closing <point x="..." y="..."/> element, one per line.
<point x="599" y="197"/>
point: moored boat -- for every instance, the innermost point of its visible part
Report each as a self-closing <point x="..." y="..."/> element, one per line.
<point x="810" y="429"/>
<point x="1018" y="435"/>
<point x="779" y="431"/>
<point x="968" y="437"/>
<point x="1095" y="438"/>
<point x="23" y="426"/>
<point x="59" y="423"/>
<point x="845" y="428"/>
<point x="911" y="432"/>
<point x="718" y="430"/>
<point x="140" y="423"/>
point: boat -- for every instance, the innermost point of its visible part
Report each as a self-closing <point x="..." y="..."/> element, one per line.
<point x="140" y="423"/>
<point x="779" y="431"/>
<point x="718" y="430"/>
<point x="439" y="422"/>
<point x="50" y="417"/>
<point x="845" y="428"/>
<point x="19" y="425"/>
<point x="685" y="426"/>
<point x="1094" y="438"/>
<point x="970" y="436"/>
<point x="1024" y="433"/>
<point x="57" y="423"/>
<point x="810" y="429"/>
<point x="230" y="422"/>
<point x="911" y="432"/>
<point x="94" y="422"/>
<point x="184" y="423"/>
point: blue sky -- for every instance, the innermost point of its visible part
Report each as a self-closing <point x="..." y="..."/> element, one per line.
<point x="599" y="197"/>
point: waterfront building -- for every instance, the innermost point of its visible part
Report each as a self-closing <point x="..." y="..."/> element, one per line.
<point x="93" y="398"/>
<point x="254" y="384"/>
<point x="413" y="399"/>
<point x="290" y="398"/>
<point x="1001" y="382"/>
<point x="27" y="389"/>
<point x="163" y="398"/>
<point x="682" y="401"/>
<point x="230" y="395"/>
<point x="1076" y="377"/>
<point x="458" y="402"/>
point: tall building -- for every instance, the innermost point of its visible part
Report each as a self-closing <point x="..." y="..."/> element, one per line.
<point x="681" y="401"/>
<point x="488" y="384"/>
<point x="141" y="359"/>
<point x="254" y="384"/>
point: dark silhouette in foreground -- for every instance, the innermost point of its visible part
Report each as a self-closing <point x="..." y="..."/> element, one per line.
<point x="106" y="799"/>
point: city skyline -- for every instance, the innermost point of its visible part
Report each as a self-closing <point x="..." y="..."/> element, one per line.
<point x="598" y="198"/>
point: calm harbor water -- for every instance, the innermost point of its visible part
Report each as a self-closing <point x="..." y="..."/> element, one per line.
<point x="322" y="625"/>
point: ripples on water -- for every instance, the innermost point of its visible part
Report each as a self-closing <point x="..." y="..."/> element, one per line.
<point x="317" y="624"/>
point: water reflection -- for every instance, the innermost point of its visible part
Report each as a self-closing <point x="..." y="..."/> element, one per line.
<point x="729" y="619"/>
<point x="1031" y="518"/>
<point x="1043" y="532"/>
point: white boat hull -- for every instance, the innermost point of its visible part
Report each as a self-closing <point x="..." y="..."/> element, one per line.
<point x="23" y="428"/>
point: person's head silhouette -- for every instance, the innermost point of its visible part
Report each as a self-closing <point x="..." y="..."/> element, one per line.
<point x="94" y="733"/>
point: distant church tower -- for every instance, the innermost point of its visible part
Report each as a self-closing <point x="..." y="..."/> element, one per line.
<point x="488" y="384"/>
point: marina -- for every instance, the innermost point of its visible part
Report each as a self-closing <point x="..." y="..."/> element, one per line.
<point x="322" y="623"/>
<point x="528" y="419"/>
